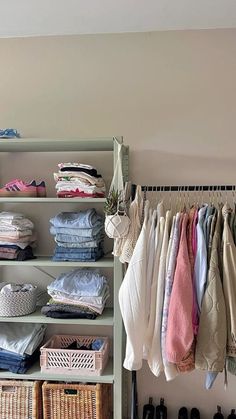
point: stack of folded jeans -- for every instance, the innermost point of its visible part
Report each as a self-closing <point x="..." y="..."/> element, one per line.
<point x="19" y="345"/>
<point x="79" y="235"/>
<point x="80" y="293"/>
<point x="16" y="236"/>
<point x="79" y="180"/>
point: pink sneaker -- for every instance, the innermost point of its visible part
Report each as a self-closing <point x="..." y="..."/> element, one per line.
<point x="18" y="188"/>
<point x="41" y="188"/>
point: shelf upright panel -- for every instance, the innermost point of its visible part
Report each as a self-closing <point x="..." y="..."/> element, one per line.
<point x="118" y="328"/>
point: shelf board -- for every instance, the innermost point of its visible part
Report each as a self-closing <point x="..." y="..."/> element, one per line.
<point x="106" y="319"/>
<point x="52" y="200"/>
<point x="105" y="262"/>
<point x="49" y="144"/>
<point x="34" y="373"/>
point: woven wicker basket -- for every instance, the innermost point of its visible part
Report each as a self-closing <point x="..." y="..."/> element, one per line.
<point x="18" y="303"/>
<point x="20" y="399"/>
<point x="55" y="358"/>
<point x="77" y="401"/>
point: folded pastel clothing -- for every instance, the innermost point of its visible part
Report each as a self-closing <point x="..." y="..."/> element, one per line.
<point x="16" y="230"/>
<point x="80" y="219"/>
<point x="79" y="194"/>
<point x="15" y="221"/>
<point x="78" y="180"/>
<point x="26" y="239"/>
<point x="93" y="303"/>
<point x="15" y="234"/>
<point x="21" y="338"/>
<point x="80" y="306"/>
<point x="79" y="283"/>
<point x="82" y="178"/>
<point x="75" y="185"/>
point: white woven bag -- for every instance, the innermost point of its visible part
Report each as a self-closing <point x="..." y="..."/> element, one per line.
<point x="117" y="225"/>
<point x="135" y="226"/>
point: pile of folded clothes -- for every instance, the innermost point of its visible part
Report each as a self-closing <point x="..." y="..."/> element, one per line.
<point x="80" y="293"/>
<point x="76" y="180"/>
<point x="16" y="236"/>
<point x="19" y="345"/>
<point x="79" y="235"/>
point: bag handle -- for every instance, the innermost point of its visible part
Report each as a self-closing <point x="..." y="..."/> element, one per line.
<point x="117" y="180"/>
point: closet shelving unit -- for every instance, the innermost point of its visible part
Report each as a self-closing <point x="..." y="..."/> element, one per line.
<point x="111" y="316"/>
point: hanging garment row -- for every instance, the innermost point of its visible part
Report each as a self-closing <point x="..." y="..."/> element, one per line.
<point x="178" y="296"/>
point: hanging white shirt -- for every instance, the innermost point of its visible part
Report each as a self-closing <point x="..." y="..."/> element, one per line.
<point x="132" y="299"/>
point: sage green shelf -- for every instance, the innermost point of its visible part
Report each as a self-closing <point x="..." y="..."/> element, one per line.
<point x="106" y="262"/>
<point x="34" y="373"/>
<point x="46" y="144"/>
<point x="52" y="200"/>
<point x="106" y="319"/>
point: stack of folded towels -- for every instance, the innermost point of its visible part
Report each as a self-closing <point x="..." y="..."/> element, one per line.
<point x="79" y="180"/>
<point x="19" y="345"/>
<point x="16" y="236"/>
<point x="79" y="235"/>
<point x="80" y="293"/>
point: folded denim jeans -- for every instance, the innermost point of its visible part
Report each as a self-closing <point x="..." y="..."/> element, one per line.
<point x="77" y="250"/>
<point x="71" y="234"/>
<point x="80" y="244"/>
<point x="78" y="257"/>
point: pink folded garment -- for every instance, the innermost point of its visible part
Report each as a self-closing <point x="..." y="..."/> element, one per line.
<point x="15" y="233"/>
<point x="79" y="194"/>
<point x="15" y="240"/>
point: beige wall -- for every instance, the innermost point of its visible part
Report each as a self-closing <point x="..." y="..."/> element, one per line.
<point x="172" y="95"/>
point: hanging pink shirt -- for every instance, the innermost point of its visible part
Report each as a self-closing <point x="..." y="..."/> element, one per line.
<point x="179" y="337"/>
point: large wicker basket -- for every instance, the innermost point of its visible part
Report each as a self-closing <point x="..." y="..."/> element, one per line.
<point x="77" y="401"/>
<point x="20" y="399"/>
<point x="18" y="303"/>
<point x="55" y="358"/>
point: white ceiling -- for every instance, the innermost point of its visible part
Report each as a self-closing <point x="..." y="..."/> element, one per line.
<point x="59" y="17"/>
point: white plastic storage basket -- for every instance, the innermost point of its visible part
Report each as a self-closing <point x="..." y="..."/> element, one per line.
<point x="18" y="303"/>
<point x="57" y="359"/>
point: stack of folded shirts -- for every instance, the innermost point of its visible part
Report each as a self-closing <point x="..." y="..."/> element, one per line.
<point x="80" y="293"/>
<point x="79" y="235"/>
<point x="16" y="236"/>
<point x="79" y="180"/>
<point x="19" y="345"/>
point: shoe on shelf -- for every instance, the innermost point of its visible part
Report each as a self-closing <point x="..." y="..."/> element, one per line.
<point x="195" y="414"/>
<point x="183" y="413"/>
<point x="18" y="188"/>
<point x="41" y="188"/>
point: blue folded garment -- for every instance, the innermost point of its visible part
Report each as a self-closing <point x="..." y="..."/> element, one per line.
<point x="81" y="219"/>
<point x="79" y="283"/>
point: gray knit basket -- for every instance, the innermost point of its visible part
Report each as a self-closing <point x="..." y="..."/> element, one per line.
<point x="18" y="303"/>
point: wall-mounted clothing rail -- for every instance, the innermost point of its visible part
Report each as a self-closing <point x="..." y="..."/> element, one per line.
<point x="190" y="188"/>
